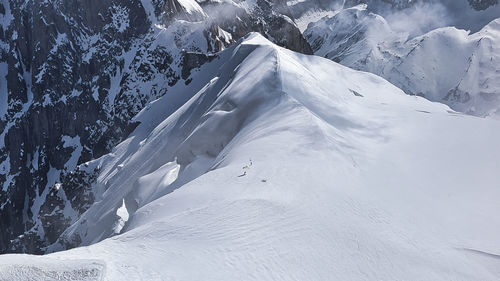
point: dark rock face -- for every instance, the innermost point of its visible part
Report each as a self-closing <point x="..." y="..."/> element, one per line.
<point x="480" y="5"/>
<point x="57" y="111"/>
<point x="192" y="60"/>
<point x="74" y="73"/>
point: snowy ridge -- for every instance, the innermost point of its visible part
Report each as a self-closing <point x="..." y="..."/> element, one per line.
<point x="447" y="65"/>
<point x="281" y="166"/>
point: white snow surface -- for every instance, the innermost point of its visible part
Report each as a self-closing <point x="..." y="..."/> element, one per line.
<point x="447" y="65"/>
<point x="290" y="167"/>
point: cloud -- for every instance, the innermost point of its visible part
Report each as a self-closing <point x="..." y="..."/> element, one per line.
<point x="419" y="18"/>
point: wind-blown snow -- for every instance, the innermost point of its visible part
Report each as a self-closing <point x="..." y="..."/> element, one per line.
<point x="273" y="165"/>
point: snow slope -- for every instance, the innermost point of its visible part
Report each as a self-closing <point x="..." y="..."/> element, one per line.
<point x="448" y="65"/>
<point x="289" y="167"/>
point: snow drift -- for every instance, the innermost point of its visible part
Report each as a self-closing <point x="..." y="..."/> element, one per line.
<point x="273" y="165"/>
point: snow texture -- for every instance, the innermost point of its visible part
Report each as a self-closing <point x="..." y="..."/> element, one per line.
<point x="273" y="165"/>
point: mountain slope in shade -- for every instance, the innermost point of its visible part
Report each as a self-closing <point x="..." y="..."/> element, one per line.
<point x="289" y="167"/>
<point x="446" y="65"/>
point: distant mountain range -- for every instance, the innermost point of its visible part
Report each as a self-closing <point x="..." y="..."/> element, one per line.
<point x="447" y="65"/>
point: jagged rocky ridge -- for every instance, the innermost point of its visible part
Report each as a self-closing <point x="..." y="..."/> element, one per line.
<point x="73" y="74"/>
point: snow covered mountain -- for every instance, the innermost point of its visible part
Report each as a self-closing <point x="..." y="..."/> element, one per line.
<point x="422" y="15"/>
<point x="447" y="65"/>
<point x="166" y="140"/>
<point x="273" y="165"/>
<point x="74" y="73"/>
